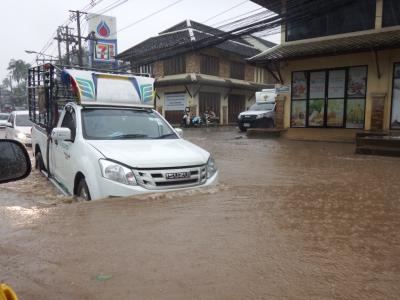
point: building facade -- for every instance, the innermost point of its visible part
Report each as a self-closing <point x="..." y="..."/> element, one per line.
<point x="342" y="66"/>
<point x="217" y="78"/>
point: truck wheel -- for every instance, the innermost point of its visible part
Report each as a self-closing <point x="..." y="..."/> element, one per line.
<point x="83" y="190"/>
<point x="39" y="164"/>
<point x="242" y="129"/>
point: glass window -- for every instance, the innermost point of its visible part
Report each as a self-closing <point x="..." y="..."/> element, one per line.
<point x="395" y="119"/>
<point x="4" y="117"/>
<point x="22" y="120"/>
<point x="337" y="82"/>
<point x="299" y="85"/>
<point x="328" y="18"/>
<point x="355" y="113"/>
<point x="335" y="113"/>
<point x="262" y="106"/>
<point x="316" y="112"/>
<point x="298" y="115"/>
<point x="124" y="124"/>
<point x="391" y="13"/>
<point x="330" y="98"/>
<point x="69" y="121"/>
<point x="357" y="82"/>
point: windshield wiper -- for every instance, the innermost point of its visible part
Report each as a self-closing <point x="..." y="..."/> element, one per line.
<point x="166" y="135"/>
<point x="128" y="136"/>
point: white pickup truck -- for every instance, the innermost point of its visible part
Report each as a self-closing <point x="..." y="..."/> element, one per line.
<point x="117" y="145"/>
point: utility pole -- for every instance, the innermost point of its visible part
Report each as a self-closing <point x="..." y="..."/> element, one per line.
<point x="59" y="45"/>
<point x="67" y="40"/>
<point x="76" y="15"/>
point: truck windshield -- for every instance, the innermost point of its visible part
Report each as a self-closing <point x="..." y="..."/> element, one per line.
<point x="262" y="106"/>
<point x="120" y="124"/>
<point x="22" y="120"/>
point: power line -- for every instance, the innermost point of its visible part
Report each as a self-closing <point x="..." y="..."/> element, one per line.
<point x="148" y="16"/>
<point x="235" y="17"/>
<point x="225" y="11"/>
<point x="300" y="12"/>
<point x="111" y="6"/>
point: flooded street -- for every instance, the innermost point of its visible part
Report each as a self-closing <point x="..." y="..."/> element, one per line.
<point x="288" y="220"/>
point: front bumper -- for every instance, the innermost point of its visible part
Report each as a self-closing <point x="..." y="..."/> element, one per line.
<point x="108" y="188"/>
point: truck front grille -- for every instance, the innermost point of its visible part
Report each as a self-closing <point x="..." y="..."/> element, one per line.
<point x="171" y="178"/>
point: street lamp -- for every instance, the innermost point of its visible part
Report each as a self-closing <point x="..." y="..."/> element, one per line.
<point x="39" y="53"/>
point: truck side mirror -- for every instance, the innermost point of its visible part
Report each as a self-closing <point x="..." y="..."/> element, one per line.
<point x="15" y="163"/>
<point x="61" y="134"/>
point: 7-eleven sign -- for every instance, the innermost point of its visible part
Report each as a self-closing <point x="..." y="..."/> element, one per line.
<point x="104" y="51"/>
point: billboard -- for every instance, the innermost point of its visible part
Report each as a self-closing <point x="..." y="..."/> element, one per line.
<point x="104" y="48"/>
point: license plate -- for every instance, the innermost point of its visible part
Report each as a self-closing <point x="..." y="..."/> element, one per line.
<point x="246" y="124"/>
<point x="177" y="175"/>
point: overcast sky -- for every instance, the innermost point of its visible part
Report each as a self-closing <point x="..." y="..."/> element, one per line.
<point x="29" y="24"/>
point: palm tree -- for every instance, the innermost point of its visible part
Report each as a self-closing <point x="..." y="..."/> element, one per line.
<point x="18" y="70"/>
<point x="7" y="84"/>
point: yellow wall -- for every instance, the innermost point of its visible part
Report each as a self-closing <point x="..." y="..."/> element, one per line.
<point x="386" y="60"/>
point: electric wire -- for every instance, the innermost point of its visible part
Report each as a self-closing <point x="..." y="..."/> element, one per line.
<point x="225" y="11"/>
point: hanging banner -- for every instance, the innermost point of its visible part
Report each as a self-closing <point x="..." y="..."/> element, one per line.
<point x="104" y="28"/>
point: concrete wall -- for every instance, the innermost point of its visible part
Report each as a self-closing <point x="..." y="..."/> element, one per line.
<point x="375" y="85"/>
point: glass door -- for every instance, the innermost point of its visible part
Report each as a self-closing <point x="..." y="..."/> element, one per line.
<point x="335" y="101"/>
<point x="316" y="103"/>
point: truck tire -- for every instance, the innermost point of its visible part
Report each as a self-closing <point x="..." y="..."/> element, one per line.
<point x="83" y="190"/>
<point x="242" y="129"/>
<point x="39" y="164"/>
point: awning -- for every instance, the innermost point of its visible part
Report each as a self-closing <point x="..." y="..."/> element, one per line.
<point x="209" y="80"/>
<point x="372" y="41"/>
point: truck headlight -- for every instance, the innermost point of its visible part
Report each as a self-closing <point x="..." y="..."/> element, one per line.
<point x="264" y="115"/>
<point x="211" y="167"/>
<point x="21" y="135"/>
<point x="117" y="172"/>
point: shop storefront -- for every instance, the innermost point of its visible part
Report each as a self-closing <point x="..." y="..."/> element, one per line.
<point x="329" y="98"/>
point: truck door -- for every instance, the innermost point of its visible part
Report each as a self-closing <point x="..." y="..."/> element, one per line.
<point x="62" y="151"/>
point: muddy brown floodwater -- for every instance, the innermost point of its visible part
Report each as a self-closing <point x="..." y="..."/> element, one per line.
<point x="289" y="220"/>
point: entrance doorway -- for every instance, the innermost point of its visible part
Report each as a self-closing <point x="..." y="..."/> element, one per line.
<point x="236" y="104"/>
<point x="210" y="101"/>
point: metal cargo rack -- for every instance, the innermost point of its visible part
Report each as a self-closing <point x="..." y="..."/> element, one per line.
<point x="47" y="94"/>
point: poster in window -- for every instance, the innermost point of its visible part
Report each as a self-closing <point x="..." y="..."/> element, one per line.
<point x="298" y="117"/>
<point x="336" y="83"/>
<point x="395" y="124"/>
<point x="355" y="113"/>
<point x="335" y="113"/>
<point x="316" y="110"/>
<point x="317" y="85"/>
<point x="357" y="82"/>
<point x="299" y="88"/>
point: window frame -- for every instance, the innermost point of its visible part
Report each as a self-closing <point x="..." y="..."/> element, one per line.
<point x="242" y="72"/>
<point x="175" y="65"/>
<point x="70" y="110"/>
<point x="209" y="64"/>
<point x="346" y="97"/>
<point x="391" y="103"/>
